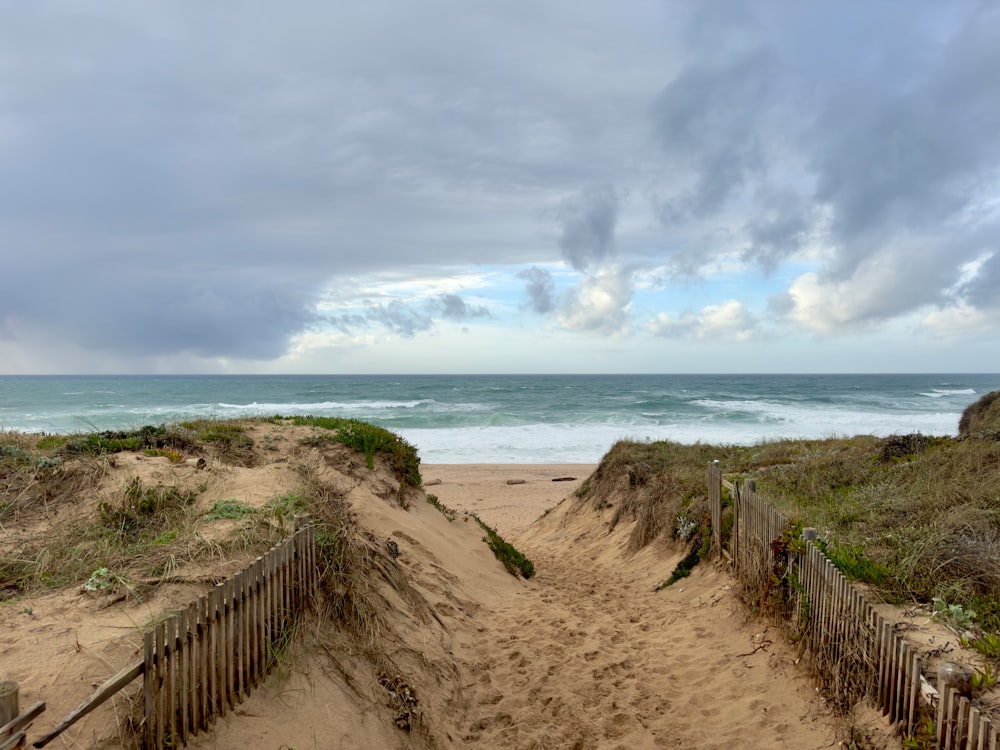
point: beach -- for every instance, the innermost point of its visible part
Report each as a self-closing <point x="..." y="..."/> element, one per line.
<point x="508" y="496"/>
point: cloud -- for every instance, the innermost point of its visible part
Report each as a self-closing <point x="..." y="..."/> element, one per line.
<point x="782" y="224"/>
<point x="453" y="307"/>
<point x="982" y="289"/>
<point x="400" y="318"/>
<point x="161" y="309"/>
<point x="406" y="319"/>
<point x="957" y="320"/>
<point x="779" y="141"/>
<point x="911" y="154"/>
<point x="601" y="304"/>
<point x="540" y="289"/>
<point x="708" y="121"/>
<point x="728" y="321"/>
<point x="587" y="226"/>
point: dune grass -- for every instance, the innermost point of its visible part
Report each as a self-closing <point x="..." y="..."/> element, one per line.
<point x="370" y="440"/>
<point x="914" y="516"/>
<point x="139" y="531"/>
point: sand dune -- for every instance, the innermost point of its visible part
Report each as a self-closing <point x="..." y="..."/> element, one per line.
<point x="584" y="655"/>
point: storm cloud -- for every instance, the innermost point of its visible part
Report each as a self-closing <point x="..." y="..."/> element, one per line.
<point x="217" y="186"/>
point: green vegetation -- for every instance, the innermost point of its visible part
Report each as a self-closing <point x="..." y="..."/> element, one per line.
<point x="450" y="513"/>
<point x="515" y="562"/>
<point x="173" y="456"/>
<point x="149" y="437"/>
<point x="913" y="516"/>
<point x="228" y="510"/>
<point x="700" y="549"/>
<point x="228" y="438"/>
<point x="370" y="440"/>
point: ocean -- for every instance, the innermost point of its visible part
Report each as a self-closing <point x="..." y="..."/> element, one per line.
<point x="514" y="418"/>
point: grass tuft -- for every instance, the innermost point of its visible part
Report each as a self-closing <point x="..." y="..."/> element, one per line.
<point x="514" y="560"/>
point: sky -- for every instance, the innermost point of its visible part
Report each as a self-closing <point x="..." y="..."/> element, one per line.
<point x="499" y="187"/>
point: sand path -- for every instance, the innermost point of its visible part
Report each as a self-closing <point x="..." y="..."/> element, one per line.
<point x="595" y="659"/>
<point x="588" y="655"/>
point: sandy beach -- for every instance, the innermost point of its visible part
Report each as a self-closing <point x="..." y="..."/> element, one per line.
<point x="508" y="496"/>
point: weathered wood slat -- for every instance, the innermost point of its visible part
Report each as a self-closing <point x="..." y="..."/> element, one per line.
<point x="973" y="733"/>
<point x="148" y="688"/>
<point x="159" y="661"/>
<point x="22" y="720"/>
<point x="204" y="678"/>
<point x="218" y="647"/>
<point x="170" y="680"/>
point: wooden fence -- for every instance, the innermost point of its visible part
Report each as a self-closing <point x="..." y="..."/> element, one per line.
<point x="204" y="659"/>
<point x="855" y="653"/>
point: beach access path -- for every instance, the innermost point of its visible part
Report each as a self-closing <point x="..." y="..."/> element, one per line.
<point x="589" y="655"/>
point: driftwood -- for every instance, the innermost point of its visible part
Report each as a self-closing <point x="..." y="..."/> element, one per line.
<point x="515" y="481"/>
<point x="564" y="479"/>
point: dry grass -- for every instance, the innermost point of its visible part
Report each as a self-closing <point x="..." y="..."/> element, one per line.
<point x="917" y="517"/>
<point x="982" y="416"/>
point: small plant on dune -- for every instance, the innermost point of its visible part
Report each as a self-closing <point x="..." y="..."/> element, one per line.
<point x="140" y="508"/>
<point x="852" y="562"/>
<point x="228" y="438"/>
<point x="228" y="510"/>
<point x="167" y="537"/>
<point x="515" y="561"/>
<point x="450" y="513"/>
<point x="699" y="551"/>
<point x="286" y="507"/>
<point x="684" y="527"/>
<point x="115" y="441"/>
<point x="985" y="678"/>
<point x="924" y="738"/>
<point x="988" y="645"/>
<point x="954" y="614"/>
<point x="173" y="456"/>
<point x="103" y="580"/>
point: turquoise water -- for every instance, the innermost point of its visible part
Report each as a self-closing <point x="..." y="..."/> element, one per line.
<point x="515" y="418"/>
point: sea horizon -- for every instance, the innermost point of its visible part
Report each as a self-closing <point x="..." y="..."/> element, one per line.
<point x="508" y="418"/>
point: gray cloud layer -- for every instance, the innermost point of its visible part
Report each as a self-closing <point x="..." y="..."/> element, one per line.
<point x="189" y="178"/>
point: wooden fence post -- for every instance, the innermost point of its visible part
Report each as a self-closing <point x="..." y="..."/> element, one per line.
<point x="8" y="701"/>
<point x="715" y="505"/>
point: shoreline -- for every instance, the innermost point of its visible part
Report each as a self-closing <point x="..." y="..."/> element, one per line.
<point x="509" y="497"/>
